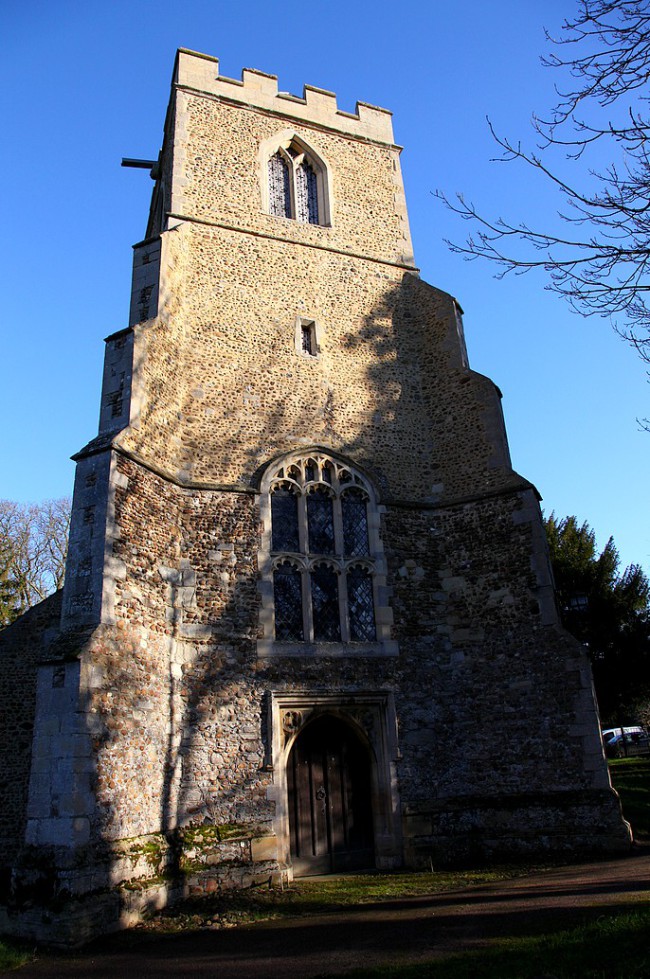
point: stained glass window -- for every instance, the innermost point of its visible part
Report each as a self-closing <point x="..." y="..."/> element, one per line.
<point x="325" y="604"/>
<point x="361" y="610"/>
<point x="287" y="594"/>
<point x="354" y="512"/>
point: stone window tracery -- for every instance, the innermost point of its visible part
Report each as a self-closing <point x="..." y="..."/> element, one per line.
<point x="324" y="570"/>
<point x="296" y="183"/>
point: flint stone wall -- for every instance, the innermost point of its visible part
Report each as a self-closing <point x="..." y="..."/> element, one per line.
<point x="22" y="646"/>
<point x="181" y="694"/>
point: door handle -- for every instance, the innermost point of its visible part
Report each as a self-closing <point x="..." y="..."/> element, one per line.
<point x="321" y="796"/>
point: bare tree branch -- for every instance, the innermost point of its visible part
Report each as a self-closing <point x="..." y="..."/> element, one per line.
<point x="601" y="265"/>
<point x="34" y="546"/>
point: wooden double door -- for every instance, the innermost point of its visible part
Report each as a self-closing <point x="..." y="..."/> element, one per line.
<point x="330" y="807"/>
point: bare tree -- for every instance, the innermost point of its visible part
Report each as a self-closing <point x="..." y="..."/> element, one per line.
<point x="599" y="261"/>
<point x="34" y="545"/>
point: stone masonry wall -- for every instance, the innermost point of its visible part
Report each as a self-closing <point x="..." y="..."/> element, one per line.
<point x="500" y="700"/>
<point x="221" y="385"/>
<point x="390" y="374"/>
<point x="490" y="699"/>
<point x="22" y="646"/>
<point x="212" y="184"/>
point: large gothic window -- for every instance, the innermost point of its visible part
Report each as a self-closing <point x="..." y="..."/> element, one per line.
<point x="296" y="184"/>
<point x="325" y="563"/>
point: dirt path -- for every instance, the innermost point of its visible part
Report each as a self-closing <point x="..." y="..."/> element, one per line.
<point x="404" y="931"/>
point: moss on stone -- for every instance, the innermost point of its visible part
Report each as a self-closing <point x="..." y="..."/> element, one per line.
<point x="151" y="848"/>
<point x="211" y="833"/>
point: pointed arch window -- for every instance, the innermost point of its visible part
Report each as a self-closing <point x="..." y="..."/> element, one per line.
<point x="296" y="184"/>
<point x="324" y="574"/>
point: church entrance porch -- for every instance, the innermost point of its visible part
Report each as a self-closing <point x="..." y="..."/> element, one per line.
<point x="329" y="795"/>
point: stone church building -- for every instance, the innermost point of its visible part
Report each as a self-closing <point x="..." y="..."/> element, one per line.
<point x="308" y="623"/>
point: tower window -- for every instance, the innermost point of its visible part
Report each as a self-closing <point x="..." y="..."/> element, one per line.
<point x="308" y="336"/>
<point x="288" y="602"/>
<point x="323" y="564"/>
<point x="326" y="616"/>
<point x="279" y="186"/>
<point x="360" y="604"/>
<point x="296" y="183"/>
<point x="284" y="508"/>
<point x="306" y="193"/>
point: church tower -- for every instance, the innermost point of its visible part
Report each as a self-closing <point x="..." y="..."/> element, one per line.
<point x="308" y="622"/>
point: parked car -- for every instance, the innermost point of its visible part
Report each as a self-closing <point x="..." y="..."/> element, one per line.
<point x="624" y="742"/>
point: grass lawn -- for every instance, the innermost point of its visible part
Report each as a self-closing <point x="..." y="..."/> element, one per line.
<point x="318" y="895"/>
<point x="13" y="955"/>
<point x="613" y="947"/>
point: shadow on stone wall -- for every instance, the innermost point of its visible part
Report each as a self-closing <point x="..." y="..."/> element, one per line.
<point x="22" y="646"/>
<point x="179" y="727"/>
<point x="414" y="368"/>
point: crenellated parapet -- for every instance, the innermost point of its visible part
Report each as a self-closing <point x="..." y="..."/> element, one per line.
<point x="256" y="88"/>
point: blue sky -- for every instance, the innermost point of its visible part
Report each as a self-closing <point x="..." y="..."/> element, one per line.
<point x="85" y="83"/>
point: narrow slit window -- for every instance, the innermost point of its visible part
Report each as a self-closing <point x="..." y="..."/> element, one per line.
<point x="307" y="339"/>
<point x="307" y="336"/>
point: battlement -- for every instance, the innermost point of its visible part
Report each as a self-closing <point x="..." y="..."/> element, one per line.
<point x="256" y="88"/>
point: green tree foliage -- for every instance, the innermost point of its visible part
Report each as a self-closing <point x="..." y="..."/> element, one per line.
<point x="608" y="611"/>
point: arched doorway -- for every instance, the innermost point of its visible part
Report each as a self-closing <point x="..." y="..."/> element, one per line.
<point x="329" y="794"/>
